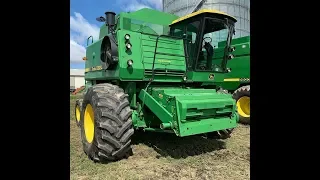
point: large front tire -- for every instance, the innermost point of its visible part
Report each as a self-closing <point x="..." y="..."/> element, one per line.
<point x="106" y="124"/>
<point x="242" y="97"/>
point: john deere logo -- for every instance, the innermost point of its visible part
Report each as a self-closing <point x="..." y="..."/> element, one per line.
<point x="211" y="76"/>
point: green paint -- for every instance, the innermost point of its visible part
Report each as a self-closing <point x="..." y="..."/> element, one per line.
<point x="174" y="101"/>
<point x="156" y="106"/>
<point x="184" y="109"/>
<point x="240" y="65"/>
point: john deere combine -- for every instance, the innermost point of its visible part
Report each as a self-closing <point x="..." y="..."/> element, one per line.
<point x="145" y="73"/>
<point x="237" y="81"/>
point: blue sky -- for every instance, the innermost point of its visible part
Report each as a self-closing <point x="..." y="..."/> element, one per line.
<point x="83" y="14"/>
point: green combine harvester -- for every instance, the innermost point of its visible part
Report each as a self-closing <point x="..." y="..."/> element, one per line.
<point x="237" y="81"/>
<point x="145" y="72"/>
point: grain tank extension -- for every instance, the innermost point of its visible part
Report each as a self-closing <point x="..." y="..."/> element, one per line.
<point x="237" y="81"/>
<point x="145" y="73"/>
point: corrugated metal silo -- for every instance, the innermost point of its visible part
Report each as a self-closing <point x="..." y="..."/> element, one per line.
<point x="240" y="9"/>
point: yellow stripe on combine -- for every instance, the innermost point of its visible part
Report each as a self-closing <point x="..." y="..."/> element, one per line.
<point x="232" y="79"/>
<point x="96" y="68"/>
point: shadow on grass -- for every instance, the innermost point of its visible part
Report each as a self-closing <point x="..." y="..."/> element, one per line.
<point x="177" y="147"/>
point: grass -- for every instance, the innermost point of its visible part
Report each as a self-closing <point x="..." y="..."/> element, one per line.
<point x="164" y="156"/>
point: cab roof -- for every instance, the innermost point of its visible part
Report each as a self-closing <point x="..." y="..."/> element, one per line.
<point x="212" y="11"/>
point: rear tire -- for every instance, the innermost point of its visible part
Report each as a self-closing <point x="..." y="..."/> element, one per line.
<point x="77" y="111"/>
<point x="107" y="113"/>
<point x="242" y="97"/>
<point x="222" y="134"/>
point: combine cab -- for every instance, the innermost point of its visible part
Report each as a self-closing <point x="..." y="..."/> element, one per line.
<point x="145" y="73"/>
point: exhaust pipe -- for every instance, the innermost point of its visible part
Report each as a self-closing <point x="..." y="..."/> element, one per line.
<point x="110" y="18"/>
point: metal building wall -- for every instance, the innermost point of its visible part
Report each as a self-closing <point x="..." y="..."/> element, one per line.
<point x="79" y="81"/>
<point x="240" y="9"/>
<point x="72" y="82"/>
<point x="76" y="82"/>
<point x="76" y="78"/>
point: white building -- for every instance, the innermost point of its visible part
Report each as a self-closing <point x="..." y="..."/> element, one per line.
<point x="76" y="78"/>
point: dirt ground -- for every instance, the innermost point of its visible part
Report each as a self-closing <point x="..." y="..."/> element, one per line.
<point x="165" y="156"/>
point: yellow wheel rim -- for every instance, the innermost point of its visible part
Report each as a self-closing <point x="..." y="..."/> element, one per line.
<point x="243" y="105"/>
<point x="78" y="113"/>
<point x="89" y="123"/>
